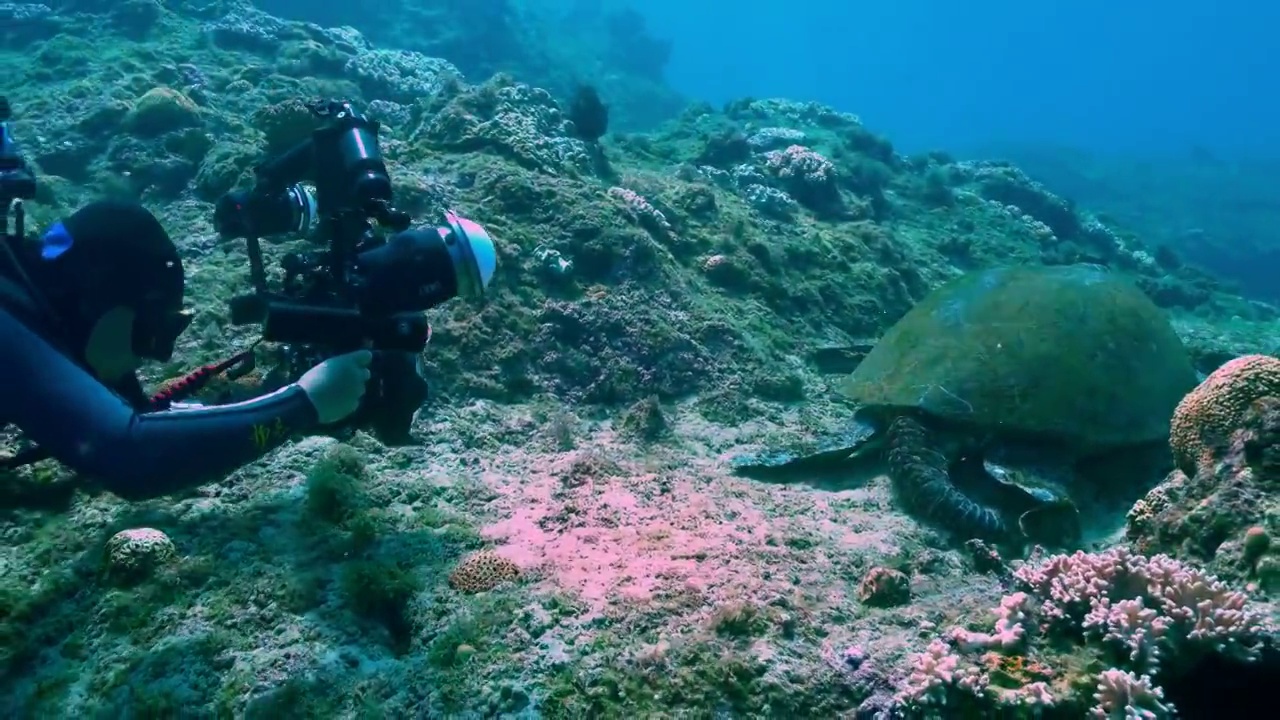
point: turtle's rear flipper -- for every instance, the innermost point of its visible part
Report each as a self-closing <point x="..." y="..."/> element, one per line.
<point x="920" y="474"/>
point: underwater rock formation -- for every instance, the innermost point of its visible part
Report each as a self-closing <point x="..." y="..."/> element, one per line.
<point x="564" y="540"/>
<point x="1220" y="509"/>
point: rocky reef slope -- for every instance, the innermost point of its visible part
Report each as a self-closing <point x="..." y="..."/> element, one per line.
<point x="564" y="540"/>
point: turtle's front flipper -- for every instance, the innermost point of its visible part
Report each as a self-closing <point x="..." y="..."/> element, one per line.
<point x="920" y="474"/>
<point x="836" y="453"/>
<point x="782" y="466"/>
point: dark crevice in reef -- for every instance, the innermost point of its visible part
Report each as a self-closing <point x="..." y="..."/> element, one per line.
<point x="1220" y="687"/>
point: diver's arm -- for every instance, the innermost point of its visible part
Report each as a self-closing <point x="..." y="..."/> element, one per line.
<point x="81" y="423"/>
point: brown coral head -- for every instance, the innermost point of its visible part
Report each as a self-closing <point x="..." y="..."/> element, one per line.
<point x="884" y="587"/>
<point x="483" y="571"/>
<point x="1204" y="422"/>
<point x="1256" y="543"/>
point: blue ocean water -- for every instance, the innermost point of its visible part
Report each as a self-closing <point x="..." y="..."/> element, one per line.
<point x="1141" y="77"/>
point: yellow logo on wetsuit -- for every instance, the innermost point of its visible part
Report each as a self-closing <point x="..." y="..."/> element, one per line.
<point x="266" y="435"/>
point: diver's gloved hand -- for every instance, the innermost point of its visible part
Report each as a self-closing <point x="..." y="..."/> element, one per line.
<point x="336" y="386"/>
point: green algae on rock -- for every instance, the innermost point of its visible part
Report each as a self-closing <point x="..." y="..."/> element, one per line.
<point x="160" y="111"/>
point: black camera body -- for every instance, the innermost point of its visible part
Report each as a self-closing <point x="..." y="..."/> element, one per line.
<point x="363" y="289"/>
<point x="17" y="182"/>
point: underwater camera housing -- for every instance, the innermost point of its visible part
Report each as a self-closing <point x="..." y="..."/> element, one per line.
<point x="17" y="182"/>
<point x="364" y="289"/>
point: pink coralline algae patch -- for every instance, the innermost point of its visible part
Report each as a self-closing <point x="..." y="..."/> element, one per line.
<point x="613" y="533"/>
<point x="849" y="531"/>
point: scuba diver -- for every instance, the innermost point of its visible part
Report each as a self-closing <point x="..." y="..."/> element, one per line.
<point x="80" y="309"/>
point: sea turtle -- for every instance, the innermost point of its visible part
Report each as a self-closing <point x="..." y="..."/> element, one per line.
<point x="997" y="394"/>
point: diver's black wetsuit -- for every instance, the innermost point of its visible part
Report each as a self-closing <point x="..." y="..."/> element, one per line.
<point x="62" y="407"/>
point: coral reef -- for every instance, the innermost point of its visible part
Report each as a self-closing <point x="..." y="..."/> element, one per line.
<point x="563" y="538"/>
<point x="612" y="47"/>
<point x="1224" y="511"/>
<point x="1152" y="617"/>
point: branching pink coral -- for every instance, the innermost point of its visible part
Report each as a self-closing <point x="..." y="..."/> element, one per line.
<point x="941" y="678"/>
<point x="936" y="672"/>
<point x="1152" y="609"/>
<point x="1011" y="618"/>
<point x="1126" y="696"/>
<point x="1146" y="605"/>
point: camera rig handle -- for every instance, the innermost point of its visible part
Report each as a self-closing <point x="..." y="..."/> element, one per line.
<point x="13" y="205"/>
<point x="257" y="268"/>
<point x="17" y="182"/>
